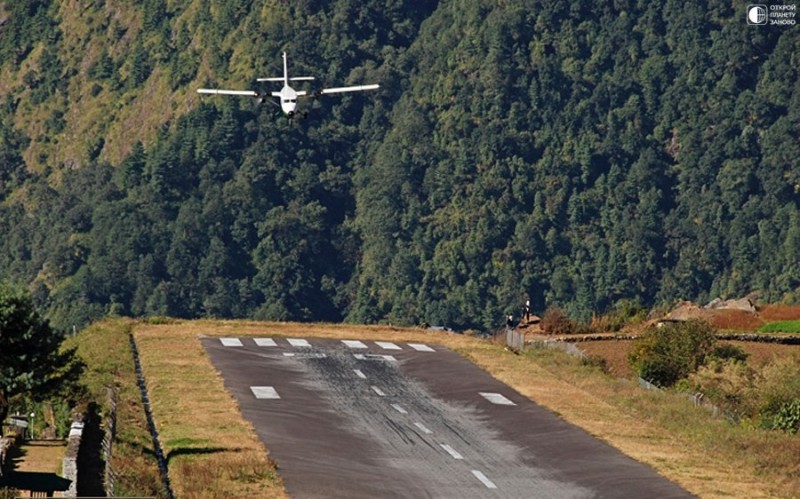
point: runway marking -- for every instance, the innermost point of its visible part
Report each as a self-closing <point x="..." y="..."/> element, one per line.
<point x="354" y="344"/>
<point x="480" y="476"/>
<point x="264" y="392"/>
<point x="265" y="342"/>
<point x="377" y="390"/>
<point x="421" y="347"/>
<point x="451" y="451"/>
<point x="360" y="374"/>
<point x="387" y="345"/>
<point x="496" y="398"/>
<point x="423" y="428"/>
<point x="231" y="342"/>
<point x="374" y="356"/>
<point x="399" y="409"/>
<point x="298" y="343"/>
<point x="305" y="355"/>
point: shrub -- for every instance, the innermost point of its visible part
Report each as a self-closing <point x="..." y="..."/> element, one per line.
<point x="663" y="355"/>
<point x="788" y="417"/>
<point x="778" y="390"/>
<point x="555" y="321"/>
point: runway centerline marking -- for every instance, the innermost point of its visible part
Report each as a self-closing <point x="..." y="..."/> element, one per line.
<point x="387" y="345"/>
<point x="421" y="347"/>
<point x="480" y="476"/>
<point x="231" y="342"/>
<point x="305" y="355"/>
<point x="265" y="342"/>
<point x="354" y="344"/>
<point x="496" y="398"/>
<point x="399" y="409"/>
<point x="451" y="451"/>
<point x="424" y="429"/>
<point x="298" y="343"/>
<point x="377" y="390"/>
<point x="264" y="392"/>
<point x="360" y="374"/>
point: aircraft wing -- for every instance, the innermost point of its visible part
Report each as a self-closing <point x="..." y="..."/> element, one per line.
<point x="356" y="88"/>
<point x="248" y="93"/>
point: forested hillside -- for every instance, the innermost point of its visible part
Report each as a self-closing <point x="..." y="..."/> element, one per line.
<point x="578" y="155"/>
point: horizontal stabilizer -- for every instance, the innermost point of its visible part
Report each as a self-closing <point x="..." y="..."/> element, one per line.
<point x="296" y="78"/>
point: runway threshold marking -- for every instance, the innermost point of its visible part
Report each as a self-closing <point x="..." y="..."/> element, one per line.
<point x="264" y="392"/>
<point x="360" y="374"/>
<point x="496" y="398"/>
<point x="354" y="344"/>
<point x="480" y="476"/>
<point x="421" y="347"/>
<point x="265" y="342"/>
<point x="451" y="451"/>
<point x="298" y="343"/>
<point x="387" y="345"/>
<point x="231" y="342"/>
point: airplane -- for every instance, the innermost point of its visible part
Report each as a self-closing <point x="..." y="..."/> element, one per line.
<point x="288" y="96"/>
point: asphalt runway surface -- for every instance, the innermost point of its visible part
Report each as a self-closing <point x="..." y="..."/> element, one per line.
<point x="353" y="419"/>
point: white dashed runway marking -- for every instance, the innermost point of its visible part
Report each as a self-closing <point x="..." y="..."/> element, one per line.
<point x="354" y="344"/>
<point x="377" y="390"/>
<point x="264" y="392"/>
<point x="387" y="345"/>
<point x="399" y="409"/>
<point x="451" y="451"/>
<point x="231" y="342"/>
<point x="360" y="374"/>
<point x="374" y="356"/>
<point x="305" y="355"/>
<point x="480" y="476"/>
<point x="424" y="429"/>
<point x="421" y="347"/>
<point x="298" y="343"/>
<point x="496" y="398"/>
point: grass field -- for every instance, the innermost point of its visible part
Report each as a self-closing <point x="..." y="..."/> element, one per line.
<point x="781" y="327"/>
<point x="213" y="451"/>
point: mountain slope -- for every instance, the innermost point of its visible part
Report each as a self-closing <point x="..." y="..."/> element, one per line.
<point x="579" y="156"/>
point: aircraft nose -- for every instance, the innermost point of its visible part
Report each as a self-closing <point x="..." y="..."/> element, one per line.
<point x="289" y="107"/>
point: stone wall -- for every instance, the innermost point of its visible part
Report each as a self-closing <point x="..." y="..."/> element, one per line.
<point x="70" y="463"/>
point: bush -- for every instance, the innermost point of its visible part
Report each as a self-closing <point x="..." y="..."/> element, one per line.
<point x="665" y="354"/>
<point x="555" y="321"/>
<point x="778" y="391"/>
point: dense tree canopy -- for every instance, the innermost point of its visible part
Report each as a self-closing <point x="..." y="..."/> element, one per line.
<point x="579" y="155"/>
<point x="31" y="362"/>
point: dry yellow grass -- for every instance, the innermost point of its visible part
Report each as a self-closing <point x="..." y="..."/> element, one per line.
<point x="191" y="405"/>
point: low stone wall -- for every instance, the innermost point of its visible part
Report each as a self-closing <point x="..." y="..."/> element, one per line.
<point x="70" y="463"/>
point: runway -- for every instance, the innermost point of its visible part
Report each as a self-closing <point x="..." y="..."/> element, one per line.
<point x="357" y="419"/>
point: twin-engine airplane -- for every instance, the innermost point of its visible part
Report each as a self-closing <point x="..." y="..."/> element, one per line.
<point x="288" y="96"/>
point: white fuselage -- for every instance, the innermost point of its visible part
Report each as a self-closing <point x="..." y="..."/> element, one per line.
<point x="288" y="98"/>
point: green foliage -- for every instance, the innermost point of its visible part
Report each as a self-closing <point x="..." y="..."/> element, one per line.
<point x="31" y="362"/>
<point x="663" y="355"/>
<point x="788" y="417"/>
<point x="781" y="327"/>
<point x="595" y="158"/>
